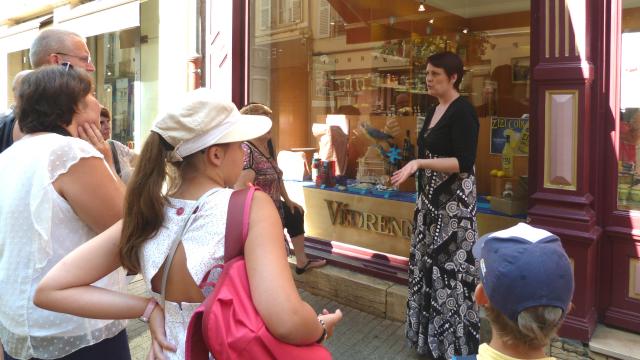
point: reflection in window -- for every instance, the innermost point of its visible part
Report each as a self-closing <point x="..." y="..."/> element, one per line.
<point x="629" y="149"/>
<point x="368" y="63"/>
<point x="117" y="70"/>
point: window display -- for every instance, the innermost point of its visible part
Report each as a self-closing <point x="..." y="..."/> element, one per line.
<point x="368" y="65"/>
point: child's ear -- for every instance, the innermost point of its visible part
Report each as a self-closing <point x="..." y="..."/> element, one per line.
<point x="215" y="154"/>
<point x="481" y="295"/>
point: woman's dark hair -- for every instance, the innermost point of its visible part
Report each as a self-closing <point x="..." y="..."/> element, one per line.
<point x="104" y="112"/>
<point x="49" y="97"/>
<point x="451" y="63"/>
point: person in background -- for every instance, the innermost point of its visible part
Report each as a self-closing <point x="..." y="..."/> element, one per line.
<point x="9" y="132"/>
<point x="197" y="147"/>
<point x="49" y="207"/>
<point x="50" y="47"/>
<point x="526" y="289"/>
<point x="123" y="157"/>
<point x="261" y="169"/>
<point x="442" y="319"/>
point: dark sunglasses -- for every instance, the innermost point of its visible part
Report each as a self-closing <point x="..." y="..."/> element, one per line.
<point x="66" y="65"/>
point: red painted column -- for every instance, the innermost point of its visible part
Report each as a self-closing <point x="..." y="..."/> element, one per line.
<point x="566" y="61"/>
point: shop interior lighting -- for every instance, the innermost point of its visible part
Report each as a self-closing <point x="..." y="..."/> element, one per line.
<point x="421" y="7"/>
<point x="431" y="21"/>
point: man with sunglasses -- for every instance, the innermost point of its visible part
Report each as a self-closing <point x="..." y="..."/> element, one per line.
<point x="50" y="47"/>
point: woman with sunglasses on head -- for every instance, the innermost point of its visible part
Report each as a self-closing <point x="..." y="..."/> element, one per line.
<point x="197" y="148"/>
<point x="49" y="207"/>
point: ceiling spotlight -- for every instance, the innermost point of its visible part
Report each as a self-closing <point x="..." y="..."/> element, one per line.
<point x="421" y="7"/>
<point x="465" y="30"/>
<point x="431" y="21"/>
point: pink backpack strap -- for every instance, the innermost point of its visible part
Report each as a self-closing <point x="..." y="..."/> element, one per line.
<point x="236" y="233"/>
<point x="237" y="222"/>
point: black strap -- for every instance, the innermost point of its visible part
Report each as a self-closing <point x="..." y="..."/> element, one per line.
<point x="114" y="155"/>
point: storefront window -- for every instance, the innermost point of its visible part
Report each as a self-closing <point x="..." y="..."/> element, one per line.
<point x="349" y="63"/>
<point x="16" y="62"/>
<point x="117" y="65"/>
<point x="629" y="149"/>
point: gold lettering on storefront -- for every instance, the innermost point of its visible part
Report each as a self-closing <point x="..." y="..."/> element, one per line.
<point x="340" y="214"/>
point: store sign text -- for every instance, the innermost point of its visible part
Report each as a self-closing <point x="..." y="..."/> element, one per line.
<point x="341" y="215"/>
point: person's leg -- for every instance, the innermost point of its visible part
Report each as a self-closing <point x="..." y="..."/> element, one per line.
<point x="294" y="223"/>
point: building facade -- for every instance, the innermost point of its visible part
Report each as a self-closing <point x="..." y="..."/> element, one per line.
<point x="141" y="50"/>
<point x="555" y="81"/>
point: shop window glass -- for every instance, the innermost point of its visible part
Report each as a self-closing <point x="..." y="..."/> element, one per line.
<point x="629" y="145"/>
<point x="16" y="62"/>
<point x="367" y="63"/>
<point x="117" y="62"/>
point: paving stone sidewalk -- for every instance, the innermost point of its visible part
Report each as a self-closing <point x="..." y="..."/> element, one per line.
<point x="358" y="336"/>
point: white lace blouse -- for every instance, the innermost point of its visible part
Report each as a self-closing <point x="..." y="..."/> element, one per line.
<point x="37" y="229"/>
<point x="203" y="244"/>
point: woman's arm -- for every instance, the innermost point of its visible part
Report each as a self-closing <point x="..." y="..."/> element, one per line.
<point x="247" y="176"/>
<point x="447" y="165"/>
<point x="66" y="288"/>
<point x="273" y="290"/>
<point x="92" y="192"/>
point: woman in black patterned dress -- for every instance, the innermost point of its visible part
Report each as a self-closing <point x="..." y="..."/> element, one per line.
<point x="442" y="319"/>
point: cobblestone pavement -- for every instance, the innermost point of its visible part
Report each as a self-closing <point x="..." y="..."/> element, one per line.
<point x="358" y="336"/>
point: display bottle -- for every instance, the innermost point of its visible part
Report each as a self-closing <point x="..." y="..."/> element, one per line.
<point x="507" y="158"/>
<point x="315" y="167"/>
<point x="408" y="153"/>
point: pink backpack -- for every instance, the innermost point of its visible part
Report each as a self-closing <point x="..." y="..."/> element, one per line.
<point x="227" y="324"/>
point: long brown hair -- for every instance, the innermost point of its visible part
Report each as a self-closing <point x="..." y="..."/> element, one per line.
<point x="145" y="201"/>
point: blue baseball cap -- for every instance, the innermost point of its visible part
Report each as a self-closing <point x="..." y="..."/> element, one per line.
<point x="523" y="267"/>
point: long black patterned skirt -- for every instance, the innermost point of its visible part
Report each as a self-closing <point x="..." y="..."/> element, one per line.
<point x="442" y="318"/>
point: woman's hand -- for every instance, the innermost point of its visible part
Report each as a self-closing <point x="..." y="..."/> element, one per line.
<point x="159" y="341"/>
<point x="403" y="174"/>
<point x="330" y="320"/>
<point x="90" y="133"/>
<point x="293" y="206"/>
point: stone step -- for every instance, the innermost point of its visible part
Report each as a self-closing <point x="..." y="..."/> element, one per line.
<point x="609" y="343"/>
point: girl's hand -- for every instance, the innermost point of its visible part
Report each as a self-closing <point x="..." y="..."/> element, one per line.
<point x="403" y="174"/>
<point x="159" y="342"/>
<point x="330" y="320"/>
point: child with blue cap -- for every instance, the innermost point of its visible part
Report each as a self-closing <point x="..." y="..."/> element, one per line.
<point x="526" y="289"/>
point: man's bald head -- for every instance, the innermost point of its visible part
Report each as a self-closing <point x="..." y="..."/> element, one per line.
<point x="53" y="46"/>
<point x="17" y="79"/>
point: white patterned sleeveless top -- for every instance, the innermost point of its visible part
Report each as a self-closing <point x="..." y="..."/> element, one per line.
<point x="203" y="243"/>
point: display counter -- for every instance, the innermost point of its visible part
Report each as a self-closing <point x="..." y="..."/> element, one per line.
<point x="381" y="223"/>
